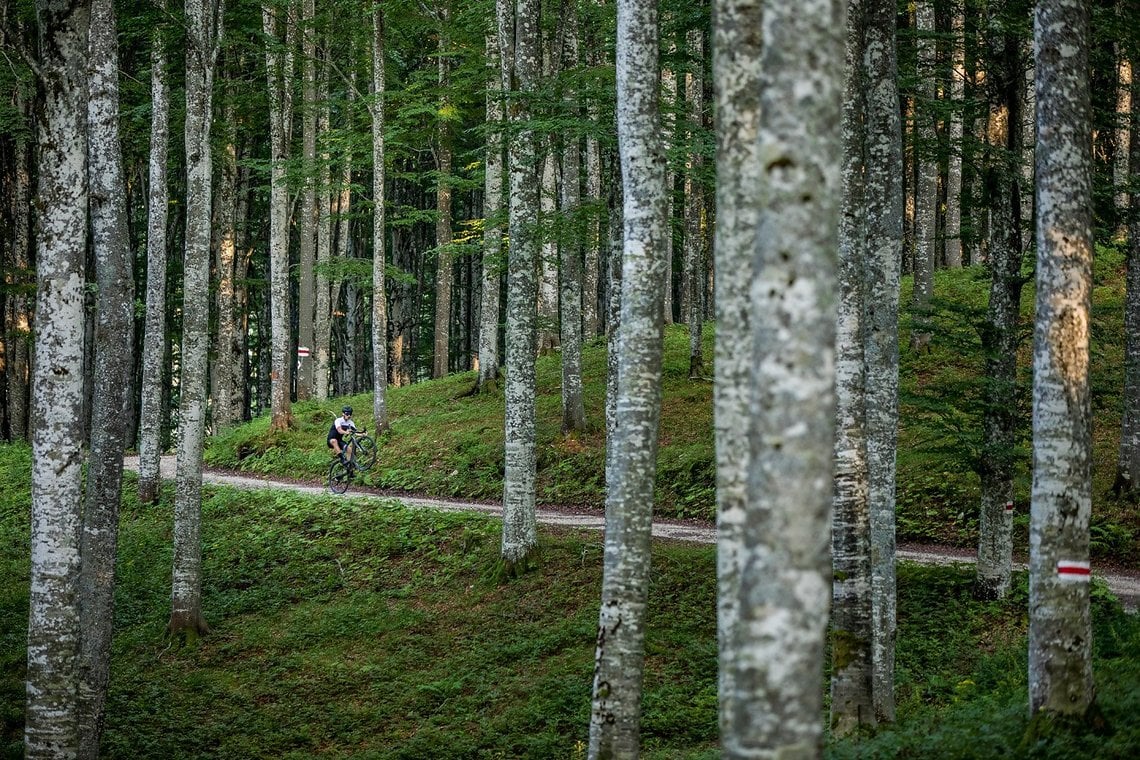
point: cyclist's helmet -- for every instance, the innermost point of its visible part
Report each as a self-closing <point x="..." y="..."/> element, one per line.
<point x="346" y="410"/>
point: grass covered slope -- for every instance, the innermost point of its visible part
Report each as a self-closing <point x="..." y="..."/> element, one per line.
<point x="444" y="442"/>
<point x="352" y="628"/>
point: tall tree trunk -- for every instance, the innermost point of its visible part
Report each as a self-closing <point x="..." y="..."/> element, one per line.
<point x="591" y="272"/>
<point x="445" y="273"/>
<point x="573" y="409"/>
<point x="114" y="362"/>
<point x="1120" y="167"/>
<point x="694" y="206"/>
<point x="204" y="20"/>
<point x="151" y="410"/>
<point x="736" y="77"/>
<point x="668" y="134"/>
<point x="520" y="533"/>
<point x="616" y="243"/>
<point x="548" y="333"/>
<point x="347" y="347"/>
<point x="784" y="591"/>
<point x="307" y="224"/>
<point x="851" y="702"/>
<point x="51" y="719"/>
<point x="1128" y="458"/>
<point x="884" y="194"/>
<point x="1000" y="334"/>
<point x="322" y="319"/>
<point x="953" y="222"/>
<point x="379" y="262"/>
<point x="278" y="67"/>
<point x="619" y="661"/>
<point x="492" y="276"/>
<point x="926" y="187"/>
<point x="227" y="381"/>
<point x="1060" y="630"/>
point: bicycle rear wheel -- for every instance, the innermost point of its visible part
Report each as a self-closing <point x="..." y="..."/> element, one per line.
<point x="338" y="476"/>
<point x="365" y="453"/>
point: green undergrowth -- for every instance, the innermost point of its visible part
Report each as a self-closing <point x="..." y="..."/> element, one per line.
<point x="446" y="442"/>
<point x="346" y="627"/>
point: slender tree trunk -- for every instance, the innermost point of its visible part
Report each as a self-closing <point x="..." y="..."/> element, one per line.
<point x="591" y="273"/>
<point x="926" y="187"/>
<point x="445" y="274"/>
<point x="1000" y="334"/>
<point x="852" y="705"/>
<point x="548" y="332"/>
<point x="573" y="409"/>
<point x="154" y="335"/>
<point x="322" y="319"/>
<point x="492" y="275"/>
<point x="51" y="717"/>
<point x="619" y="661"/>
<point x="1120" y="163"/>
<point x="204" y="18"/>
<point x="668" y="134"/>
<point x="953" y="222"/>
<point x="1128" y="458"/>
<point x="307" y="224"/>
<point x="18" y="314"/>
<point x="1060" y="630"/>
<point x="114" y="362"/>
<point x="613" y="312"/>
<point x="884" y="194"/>
<point x="278" y="68"/>
<point x="226" y="377"/>
<point x="347" y="346"/>
<point x="519" y="527"/>
<point x="736" y="77"/>
<point x="379" y="261"/>
<point x="694" y="208"/>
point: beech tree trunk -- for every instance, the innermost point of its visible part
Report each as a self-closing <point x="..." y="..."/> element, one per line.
<point x="926" y="187"/>
<point x="444" y="275"/>
<point x="573" y="409"/>
<point x="1120" y="163"/>
<point x="204" y="20"/>
<point x="591" y="272"/>
<point x="736" y="78"/>
<point x="520" y="533"/>
<point x="884" y="195"/>
<point x="1000" y="333"/>
<point x="851" y="702"/>
<point x="322" y="304"/>
<point x="1128" y="459"/>
<point x="113" y="366"/>
<point x="51" y="716"/>
<point x="548" y="330"/>
<point x="953" y="219"/>
<point x="17" y="306"/>
<point x="379" y="261"/>
<point x="154" y="329"/>
<point x="227" y="381"/>
<point x="694" y="208"/>
<point x="1060" y="629"/>
<point x="619" y="661"/>
<point x="307" y="222"/>
<point x="492" y="275"/>
<point x="669" y="133"/>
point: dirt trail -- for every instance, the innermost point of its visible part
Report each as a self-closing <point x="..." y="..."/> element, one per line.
<point x="1124" y="584"/>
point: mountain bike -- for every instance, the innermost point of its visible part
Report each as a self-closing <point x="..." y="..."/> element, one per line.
<point x="359" y="453"/>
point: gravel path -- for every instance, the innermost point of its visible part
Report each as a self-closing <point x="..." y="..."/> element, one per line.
<point x="1124" y="583"/>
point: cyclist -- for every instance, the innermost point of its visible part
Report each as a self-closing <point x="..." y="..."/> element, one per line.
<point x="341" y="427"/>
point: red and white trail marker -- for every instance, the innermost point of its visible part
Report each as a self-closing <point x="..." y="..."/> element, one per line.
<point x="1072" y="570"/>
<point x="1009" y="506"/>
<point x="302" y="352"/>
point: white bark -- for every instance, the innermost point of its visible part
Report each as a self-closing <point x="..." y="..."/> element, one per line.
<point x="1120" y="169"/>
<point x="926" y="188"/>
<point x="570" y="301"/>
<point x="307" y="222"/>
<point x="278" y="67"/>
<point x="379" y="262"/>
<point x="736" y="77"/>
<point x="884" y="194"/>
<point x="154" y="335"/>
<point x="490" y="310"/>
<point x="18" y="315"/>
<point x="591" y="273"/>
<point x="1060" y="631"/>
<point x="693" y="280"/>
<point x="113" y="366"/>
<point x="322" y="320"/>
<point x="445" y="274"/>
<point x="548" y="332"/>
<point x="50" y="722"/>
<point x="953" y="223"/>
<point x="520" y="532"/>
<point x="226" y="382"/>
<point x="1128" y="457"/>
<point x="204" y="29"/>
<point x="618" y="664"/>
<point x="668" y="133"/>
<point x="851" y="701"/>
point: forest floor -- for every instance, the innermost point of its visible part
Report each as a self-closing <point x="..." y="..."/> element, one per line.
<point x="1124" y="583"/>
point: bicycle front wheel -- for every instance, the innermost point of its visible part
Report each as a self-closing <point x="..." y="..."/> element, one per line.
<point x="338" y="476"/>
<point x="365" y="453"/>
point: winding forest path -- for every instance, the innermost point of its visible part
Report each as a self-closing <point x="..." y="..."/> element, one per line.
<point x="1125" y="584"/>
